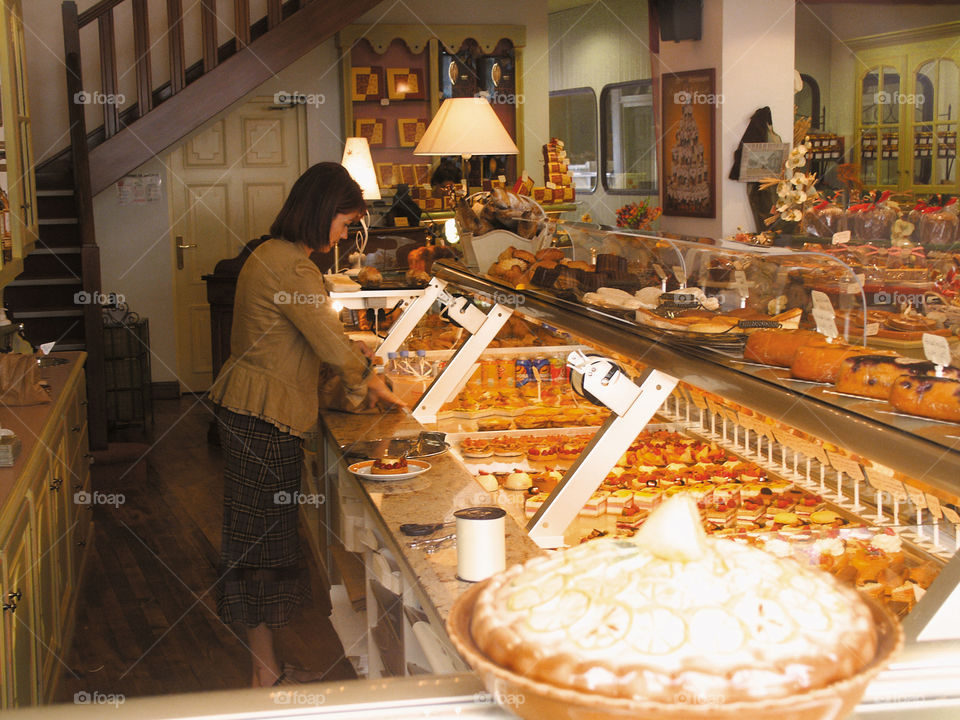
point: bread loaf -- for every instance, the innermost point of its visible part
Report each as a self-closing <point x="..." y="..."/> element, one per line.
<point x="777" y="347"/>
<point x="821" y="362"/>
<point x="927" y="396"/>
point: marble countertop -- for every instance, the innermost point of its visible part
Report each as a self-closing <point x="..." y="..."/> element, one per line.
<point x="429" y="498"/>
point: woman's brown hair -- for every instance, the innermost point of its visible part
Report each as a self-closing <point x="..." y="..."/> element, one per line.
<point x="316" y="198"/>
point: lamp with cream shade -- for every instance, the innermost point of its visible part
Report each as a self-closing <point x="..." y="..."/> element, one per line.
<point x="466" y="127"/>
<point x="359" y="163"/>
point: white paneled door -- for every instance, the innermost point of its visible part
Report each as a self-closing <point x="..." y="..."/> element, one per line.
<point x="227" y="183"/>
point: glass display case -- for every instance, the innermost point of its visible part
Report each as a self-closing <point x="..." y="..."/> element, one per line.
<point x="845" y="482"/>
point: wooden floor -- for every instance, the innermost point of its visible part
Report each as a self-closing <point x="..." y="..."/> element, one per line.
<point x="146" y="620"/>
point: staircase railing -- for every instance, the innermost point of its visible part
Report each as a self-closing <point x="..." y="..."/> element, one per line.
<point x="103" y="15"/>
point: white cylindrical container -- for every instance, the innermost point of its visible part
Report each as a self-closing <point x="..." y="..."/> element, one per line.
<point x="481" y="550"/>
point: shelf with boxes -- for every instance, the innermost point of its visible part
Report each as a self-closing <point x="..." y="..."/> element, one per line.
<point x="396" y="77"/>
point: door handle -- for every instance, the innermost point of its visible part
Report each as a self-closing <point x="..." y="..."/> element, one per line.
<point x="180" y="248"/>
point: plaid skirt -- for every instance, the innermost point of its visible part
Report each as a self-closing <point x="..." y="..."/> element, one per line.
<point x="262" y="576"/>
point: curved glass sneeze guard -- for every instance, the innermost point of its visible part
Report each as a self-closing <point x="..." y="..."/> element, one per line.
<point x="772" y="279"/>
<point x="768" y="281"/>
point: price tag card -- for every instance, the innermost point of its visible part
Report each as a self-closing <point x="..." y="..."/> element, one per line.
<point x="550" y="185"/>
<point x="812" y="450"/>
<point x="936" y="348"/>
<point x="882" y="479"/>
<point x="746" y="421"/>
<point x="699" y="400"/>
<point x="917" y="496"/>
<point x="784" y="438"/>
<point x="681" y="275"/>
<point x="826" y="323"/>
<point x="852" y="288"/>
<point x="841" y="238"/>
<point x="502" y="178"/>
<point x="730" y="415"/>
<point x="872" y="329"/>
<point x="658" y="269"/>
<point x="821" y="302"/>
<point x="933" y="505"/>
<point x="846" y="465"/>
<point x="951" y="515"/>
<point x="714" y="408"/>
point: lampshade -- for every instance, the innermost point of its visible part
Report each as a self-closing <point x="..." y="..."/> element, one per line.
<point x="466" y="126"/>
<point x="357" y="161"/>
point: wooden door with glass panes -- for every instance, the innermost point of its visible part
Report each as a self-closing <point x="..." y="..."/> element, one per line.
<point x="907" y="104"/>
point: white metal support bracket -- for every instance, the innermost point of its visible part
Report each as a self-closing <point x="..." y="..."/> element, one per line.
<point x="411" y="315"/>
<point x="634" y="404"/>
<point x="483" y="328"/>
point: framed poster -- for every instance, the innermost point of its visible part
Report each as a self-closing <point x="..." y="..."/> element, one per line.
<point x="366" y="83"/>
<point x="385" y="174"/>
<point x="410" y="130"/>
<point x="408" y="175"/>
<point x="423" y="174"/>
<point x="760" y="161"/>
<point x="688" y="113"/>
<point x="405" y="84"/>
<point x="371" y="129"/>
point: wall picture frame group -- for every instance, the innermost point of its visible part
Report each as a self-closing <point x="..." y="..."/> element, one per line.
<point x="688" y="105"/>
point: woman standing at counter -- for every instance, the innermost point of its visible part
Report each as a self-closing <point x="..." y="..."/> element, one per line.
<point x="267" y="393"/>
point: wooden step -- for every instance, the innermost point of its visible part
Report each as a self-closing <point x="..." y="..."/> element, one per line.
<point x="44" y="262"/>
<point x="65" y="327"/>
<point x="56" y="204"/>
<point x="44" y="294"/>
<point x="59" y="236"/>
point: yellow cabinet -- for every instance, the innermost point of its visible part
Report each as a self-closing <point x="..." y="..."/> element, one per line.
<point x="907" y="102"/>
<point x="45" y="533"/>
<point x="20" y="632"/>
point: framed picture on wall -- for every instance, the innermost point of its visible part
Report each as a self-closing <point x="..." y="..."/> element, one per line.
<point x="410" y="130"/>
<point x="688" y="115"/>
<point x="762" y="160"/>
<point x="405" y="84"/>
<point x="371" y="129"/>
<point x="366" y="83"/>
<point x="385" y="174"/>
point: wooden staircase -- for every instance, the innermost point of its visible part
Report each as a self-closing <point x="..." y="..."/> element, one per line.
<point x="47" y="297"/>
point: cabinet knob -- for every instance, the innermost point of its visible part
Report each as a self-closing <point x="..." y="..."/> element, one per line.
<point x="77" y="487"/>
<point x="75" y="428"/>
<point x="12" y="604"/>
<point x="84" y="403"/>
<point x="90" y="457"/>
<point x="81" y="543"/>
<point x="56" y="484"/>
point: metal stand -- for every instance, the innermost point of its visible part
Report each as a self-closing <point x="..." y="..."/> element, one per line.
<point x="483" y="327"/>
<point x="633" y="406"/>
<point x="413" y="313"/>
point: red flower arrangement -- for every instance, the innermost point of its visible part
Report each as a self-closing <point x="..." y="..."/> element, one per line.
<point x="637" y="216"/>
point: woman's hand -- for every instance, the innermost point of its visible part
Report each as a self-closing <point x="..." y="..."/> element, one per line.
<point x="365" y="350"/>
<point x="380" y="396"/>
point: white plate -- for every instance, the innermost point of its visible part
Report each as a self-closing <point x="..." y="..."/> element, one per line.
<point x="363" y="469"/>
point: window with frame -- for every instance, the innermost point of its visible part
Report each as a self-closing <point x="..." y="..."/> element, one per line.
<point x="628" y="140"/>
<point x="573" y="119"/>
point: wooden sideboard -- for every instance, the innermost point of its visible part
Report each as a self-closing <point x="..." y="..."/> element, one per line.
<point x="46" y="532"/>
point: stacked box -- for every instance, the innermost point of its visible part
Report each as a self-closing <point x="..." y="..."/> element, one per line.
<point x="558" y="180"/>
